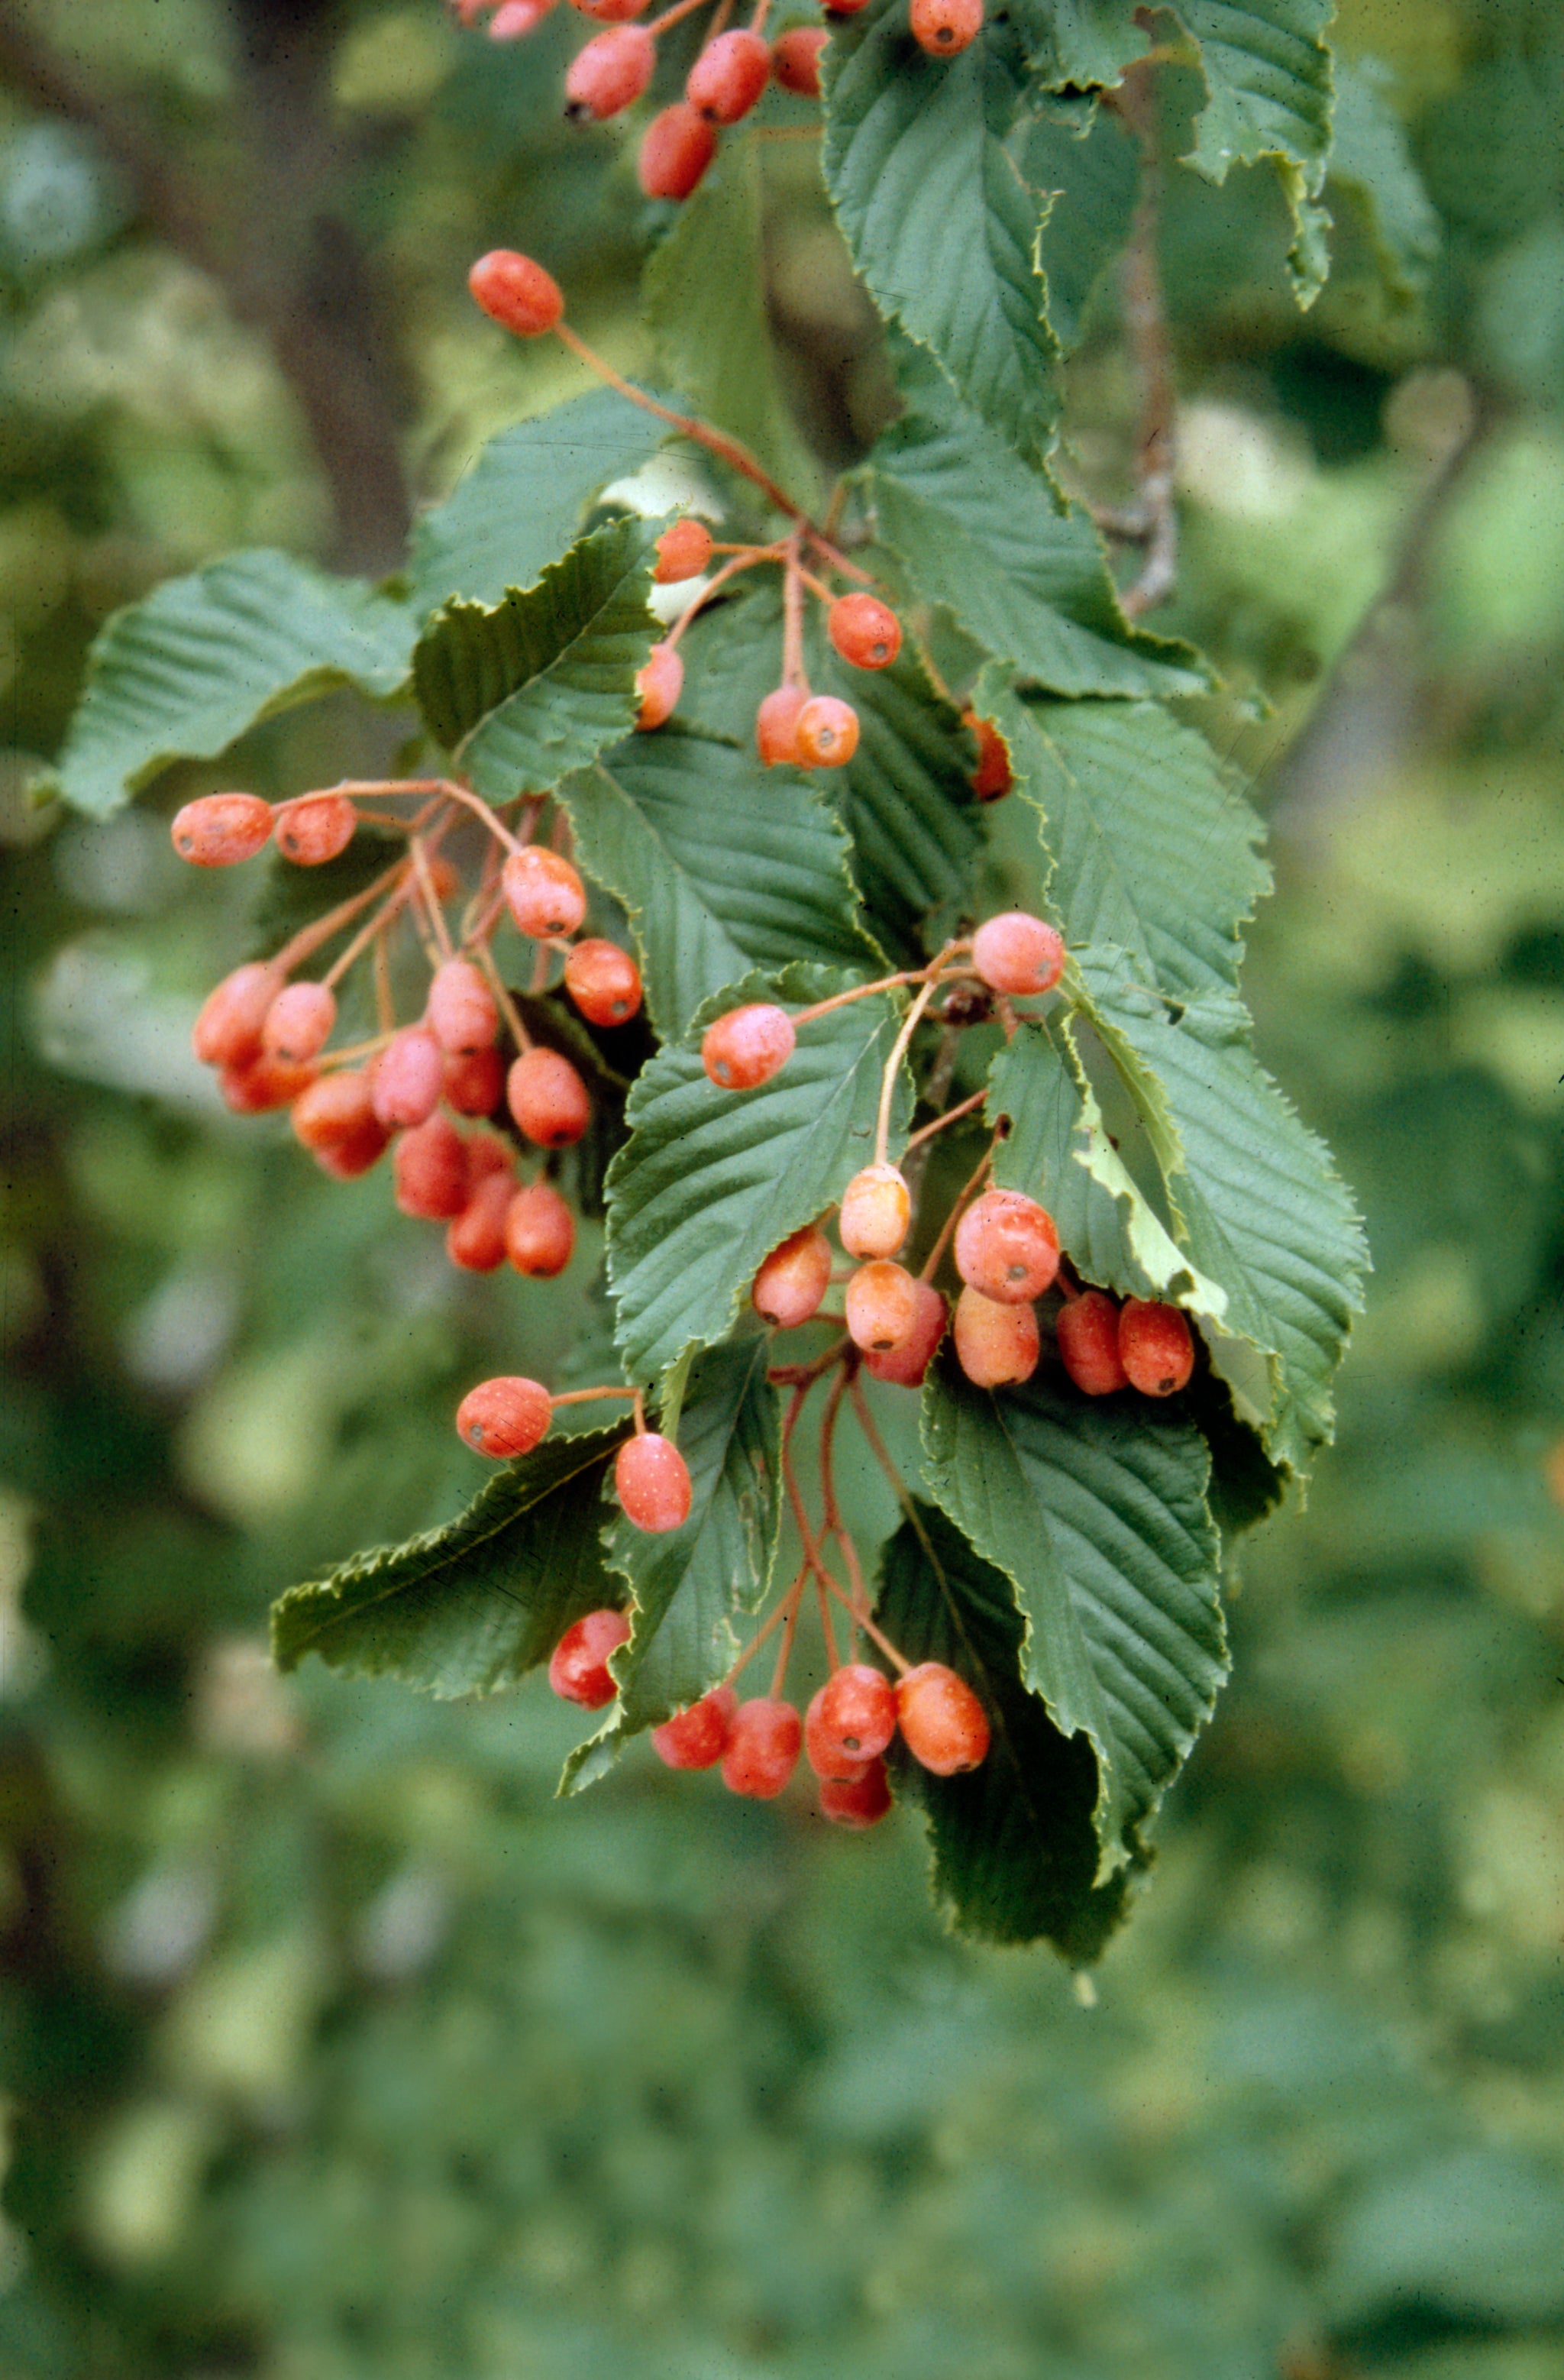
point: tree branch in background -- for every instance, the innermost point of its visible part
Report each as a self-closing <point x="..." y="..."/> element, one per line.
<point x="1153" y="521"/>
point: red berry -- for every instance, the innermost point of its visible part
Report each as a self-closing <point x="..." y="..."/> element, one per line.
<point x="611" y="12"/>
<point x="776" y="725"/>
<point x="461" y="1011"/>
<point x="1154" y="1347"/>
<point x="299" y="1023"/>
<point x="943" y="1724"/>
<point x="796" y="59"/>
<point x="550" y="1102"/>
<point x="678" y="146"/>
<point x="877" y="1207"/>
<point x="682" y="552"/>
<point x="728" y="77"/>
<point x="763" y="1748"/>
<point x="505" y="1418"/>
<point x="991" y="777"/>
<point x="221" y="829"/>
<point x="610" y="74"/>
<point x="517" y="293"/>
<point x="944" y="28"/>
<point x="334" y="1110"/>
<point x="431" y="1171"/>
<point x="540" y="1231"/>
<point x="487" y="1154"/>
<point x="258" y="1086"/>
<point x="790" y="1283"/>
<point x="697" y="1738"/>
<point x="407" y="1077"/>
<point x="1087" y="1330"/>
<point x="865" y="631"/>
<point x="823" y="1751"/>
<point x="578" y="1670"/>
<point x="857" y="1801"/>
<point x="881" y="1304"/>
<point x="310" y="832"/>
<point x="653" y="1482"/>
<point x="603" y="982"/>
<point x="857" y="1711"/>
<point x="475" y="1240"/>
<point x="827" y="733"/>
<point x="1018" y="954"/>
<point x="345" y="1160"/>
<point x="233" y="1016"/>
<point x="543" y="893"/>
<point x="908" y="1363"/>
<point x="1006" y="1247"/>
<point x="747" y="1046"/>
<point x="997" y="1346"/>
<point x="659" y="684"/>
<point x="475" y="1084"/>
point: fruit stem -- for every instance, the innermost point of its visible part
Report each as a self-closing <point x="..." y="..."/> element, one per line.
<point x="585" y="1396"/>
<point x="793" y="621"/>
<point x="773" y="1625"/>
<point x="507" y="1006"/>
<point x="385" y="1004"/>
<point x="795" y="1596"/>
<point x="958" y="1204"/>
<point x="431" y="900"/>
<point x="876" y="1635"/>
<point x="952" y="1115"/>
<point x="893" y="1064"/>
<point x="859" y="991"/>
<point x="727" y="450"/>
<point x="744" y="559"/>
<point x="308" y="941"/>
<point x="673" y="16"/>
<point x="401" y="894"/>
<point x="762" y="10"/>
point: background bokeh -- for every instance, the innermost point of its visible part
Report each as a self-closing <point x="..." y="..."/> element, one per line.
<point x="334" y="2048"/>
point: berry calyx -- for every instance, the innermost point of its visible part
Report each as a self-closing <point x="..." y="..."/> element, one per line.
<point x="1018" y="954"/>
<point x="992" y="775"/>
<point x="677" y="147"/>
<point x="823" y="1751"/>
<point x="610" y="74"/>
<point x="473" y="1084"/>
<point x="747" y="1046"/>
<point x="697" y="1738"/>
<point x="603" y="982"/>
<point x="407" y="1077"/>
<point x="876" y="1208"/>
<point x="790" y="1283"/>
<point x="857" y="1710"/>
<point x="548" y="1099"/>
<point x="430" y="1170"/>
<point x="796" y="59"/>
<point x="945" y="28"/>
<point x="881" y="1307"/>
<point x="578" y="1670"/>
<point x="543" y="893"/>
<point x="233" y="1016"/>
<point x="652" y="1480"/>
<point x="857" y="1801"/>
<point x="658" y="682"/>
<point x="1154" y="1347"/>
<point x="763" y="1747"/>
<point x="506" y="1416"/>
<point x="540" y="1231"/>
<point x="475" y="1240"/>
<point x="997" y="1346"/>
<point x="865" y="631"/>
<point x="1087" y="1333"/>
<point x="776" y="725"/>
<point x="728" y="77"/>
<point x="943" y="1724"/>
<point x="1006" y="1247"/>
<point x="221" y="829"/>
<point x="682" y="552"/>
<point x="461" y="1010"/>
<point x="517" y="293"/>
<point x="299" y="1023"/>
<point x="906" y="1365"/>
<point x="827" y="733"/>
<point x="311" y="833"/>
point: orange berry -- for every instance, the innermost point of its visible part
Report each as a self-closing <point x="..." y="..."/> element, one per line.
<point x="790" y="1283"/>
<point x="796" y="59"/>
<point x="747" y="1046"/>
<point x="407" y="1077"/>
<point x="1154" y="1347"/>
<point x="992" y="775"/>
<point x="1006" y="1247"/>
<point x="475" y="1240"/>
<point x="822" y="1746"/>
<point x="461" y="1010"/>
<point x="1087" y="1331"/>
<point x="233" y="1016"/>
<point x="430" y="1170"/>
<point x="728" y="77"/>
<point x="506" y="1416"/>
<point x="221" y="829"/>
<point x="543" y="893"/>
<point x="546" y="1096"/>
<point x="258" y="1085"/>
<point x="473" y="1084"/>
<point x="603" y="982"/>
<point x="611" y="12"/>
<point x="333" y="1109"/>
<point x="943" y="1724"/>
<point x="865" y="631"/>
<point x="857" y="1710"/>
<point x="1018" y="954"/>
<point x="827" y="733"/>
<point x="945" y="28"/>
<point x="876" y="1208"/>
<point x="997" y="1346"/>
<point x="540" y="1231"/>
<point x="659" y="684"/>
<point x="299" y="1023"/>
<point x="776" y="725"/>
<point x="610" y="74"/>
<point x="516" y="292"/>
<point x="682" y="552"/>
<point x="906" y="1365"/>
<point x="652" y="1481"/>
<point x="881" y="1307"/>
<point x="676" y="149"/>
<point x="311" y="831"/>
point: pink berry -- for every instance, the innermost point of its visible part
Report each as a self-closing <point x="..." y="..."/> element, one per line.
<point x="697" y="1738"/>
<point x="610" y="74"/>
<point x="1087" y="1331"/>
<point x="881" y="1307"/>
<point x="763" y="1748"/>
<point x="475" y="1084"/>
<point x="747" y="1046"/>
<point x="776" y="725"/>
<point x="430" y="1170"/>
<point x="1018" y="954"/>
<point x="857" y="1710"/>
<point x="543" y="893"/>
<point x="475" y="1240"/>
<point x="1006" y="1247"/>
<point x="865" y="631"/>
<point x="676" y="149"/>
<point x="997" y="1345"/>
<point x="540" y="1231"/>
<point x="653" y="1483"/>
<point x="906" y="1365"/>
<point x="578" y="1670"/>
<point x="728" y="77"/>
<point x="943" y="1724"/>
<point x="603" y="982"/>
<point x="461" y="1010"/>
<point x="1154" y="1347"/>
<point x="827" y="733"/>
<point x="790" y="1283"/>
<point x="876" y="1210"/>
<point x="221" y="829"/>
<point x="314" y="831"/>
<point x="258" y="1086"/>
<point x="822" y="1748"/>
<point x="506" y="1416"/>
<point x="336" y="1109"/>
<point x="516" y="292"/>
<point x="796" y="59"/>
<point x="299" y="1023"/>
<point x="857" y="1801"/>
<point x="407" y="1077"/>
<point x="548" y="1099"/>
<point x="682" y="552"/>
<point x="227" y="1032"/>
<point x="945" y="28"/>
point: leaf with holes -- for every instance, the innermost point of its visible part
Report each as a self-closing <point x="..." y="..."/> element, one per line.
<point x="1268" y="94"/>
<point x="1088" y="174"/>
<point x="1371" y="156"/>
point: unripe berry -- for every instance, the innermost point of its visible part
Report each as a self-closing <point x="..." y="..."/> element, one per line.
<point x="728" y="77"/>
<point x="233" y="1016"/>
<point x="776" y="725"/>
<point x="945" y="28"/>
<point x="475" y="1084"/>
<point x="540" y="1231"/>
<point x="461" y="1011"/>
<point x="543" y="893"/>
<point x="516" y="292"/>
<point x="822" y="1748"/>
<point x="796" y="59"/>
<point x="1006" y="1247"/>
<point x="790" y="1283"/>
<point x="678" y="146"/>
<point x="334" y="1110"/>
<point x="311" y="833"/>
<point x="611" y="12"/>
<point x="857" y="1710"/>
<point x="1154" y="1347"/>
<point x="857" y="1801"/>
<point x="258" y="1086"/>
<point x="906" y="1365"/>
<point x="1018" y="954"/>
<point x="430" y="1170"/>
<point x="578" y="1670"/>
<point x="877" y="1207"/>
<point x="747" y="1046"/>
<point x="407" y="1077"/>
<point x="603" y="982"/>
<point x="513" y="19"/>
<point x="943" y="1724"/>
<point x="658" y="682"/>
<point x="652" y="1480"/>
<point x="763" y="1747"/>
<point x="475" y="1240"/>
<point x="548" y="1098"/>
<point x="865" y="631"/>
<point x="1087" y="1331"/>
<point x="221" y="829"/>
<point x="881" y="1307"/>
<point x="505" y="1418"/>
<point x="827" y="733"/>
<point x="697" y="1738"/>
<point x="682" y="552"/>
<point x="991" y="777"/>
<point x="345" y="1160"/>
<point x="299" y="1023"/>
<point x="997" y="1346"/>
<point x="610" y="74"/>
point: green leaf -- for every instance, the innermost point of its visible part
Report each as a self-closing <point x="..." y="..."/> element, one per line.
<point x="1089" y="177"/>
<point x="524" y="691"/>
<point x="1085" y="44"/>
<point x="471" y="1607"/>
<point x="1014" y="1852"/>
<point x="1267" y="66"/>
<point x="1095" y="1510"/>
<point x="184" y="673"/>
<point x="1371" y="157"/>
<point x="710" y="1181"/>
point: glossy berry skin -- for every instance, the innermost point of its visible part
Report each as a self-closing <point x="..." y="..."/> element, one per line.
<point x="857" y="1710"/>
<point x="1087" y="1331"/>
<point x="1018" y="954"/>
<point x="540" y="1231"/>
<point x="747" y="1046"/>
<point x="763" y="1748"/>
<point x="776" y="725"/>
<point x="221" y="829"/>
<point x="827" y="733"/>
<point x="603" y="982"/>
<point x="333" y="1109"/>
<point x="461" y="1011"/>
<point x="475" y="1084"/>
<point x="658" y="682"/>
<point x="822" y="1748"/>
<point x="796" y="59"/>
<point x="548" y="1099"/>
<point x="652" y="1480"/>
<point x="676" y="149"/>
<point x="945" y="28"/>
<point x="876" y="1208"/>
<point x="1154" y="1347"/>
<point x="943" y="1724"/>
<point x="790" y="1283"/>
<point x="682" y="552"/>
<point x="865" y="631"/>
<point x="311" y="833"/>
<point x="857" y="1801"/>
<point x="543" y="893"/>
<point x="992" y="775"/>
<point x="505" y="1418"/>
<point x="1006" y="1247"/>
<point x="697" y="1738"/>
<point x="299" y="1023"/>
<point x="881" y="1307"/>
<point x="610" y="74"/>
<point x="997" y="1346"/>
<point x="259" y="1086"/>
<point x="407" y="1077"/>
<point x="430" y="1170"/>
<point x="728" y="77"/>
<point x="233" y="1016"/>
<point x="517" y="293"/>
<point x="578" y="1670"/>
<point x="475" y="1240"/>
<point x="906" y="1365"/>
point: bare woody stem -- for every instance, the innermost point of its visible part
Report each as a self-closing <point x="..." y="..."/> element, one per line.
<point x="892" y="1066"/>
<point x="508" y="1010"/>
<point x="958" y="1204"/>
<point x="727" y="450"/>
